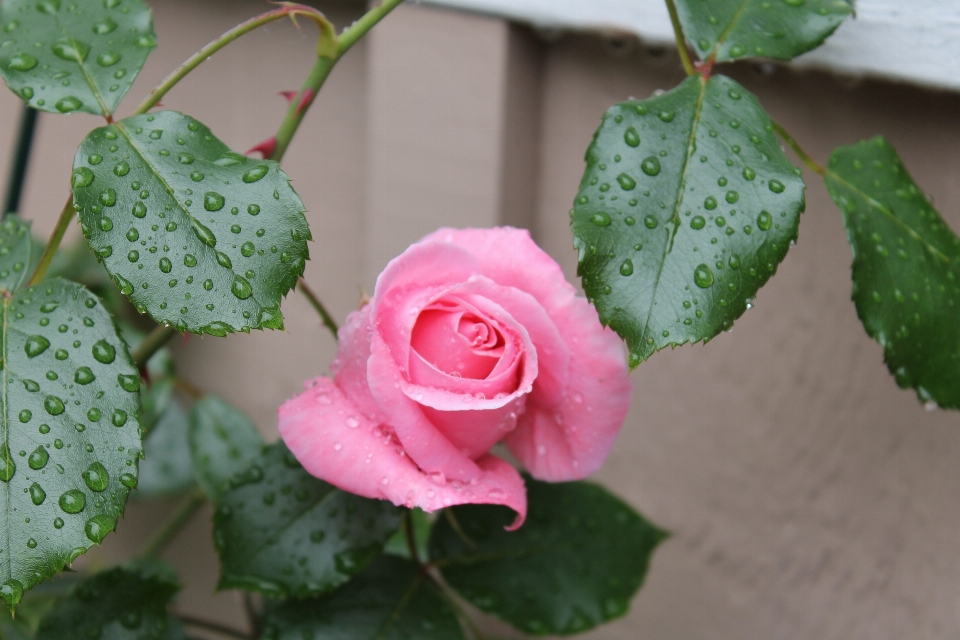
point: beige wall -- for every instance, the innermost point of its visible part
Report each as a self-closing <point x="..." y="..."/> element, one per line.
<point x="809" y="498"/>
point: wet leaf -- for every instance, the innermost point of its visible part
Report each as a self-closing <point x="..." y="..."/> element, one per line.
<point x="223" y="442"/>
<point x="167" y="469"/>
<point x="686" y="208"/>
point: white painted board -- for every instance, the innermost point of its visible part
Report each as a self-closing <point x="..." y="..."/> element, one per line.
<point x="915" y="41"/>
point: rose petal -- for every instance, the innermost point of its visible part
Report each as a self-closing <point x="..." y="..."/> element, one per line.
<point x="568" y="437"/>
<point x="318" y="427"/>
<point x="350" y="366"/>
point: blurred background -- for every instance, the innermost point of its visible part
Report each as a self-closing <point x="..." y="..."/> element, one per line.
<point x="808" y="497"/>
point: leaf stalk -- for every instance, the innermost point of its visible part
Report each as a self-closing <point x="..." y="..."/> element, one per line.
<point x="805" y="157"/>
<point x="685" y="58"/>
<point x="151" y="344"/>
<point x="169" y="530"/>
<point x="328" y="320"/>
<point x="63" y="222"/>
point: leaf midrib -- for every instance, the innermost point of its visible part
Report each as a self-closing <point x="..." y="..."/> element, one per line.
<point x="93" y="87"/>
<point x="726" y="32"/>
<point x="675" y="218"/>
<point x="892" y="216"/>
<point x="180" y="205"/>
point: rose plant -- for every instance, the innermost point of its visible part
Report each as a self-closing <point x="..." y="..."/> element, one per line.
<point x="442" y="464"/>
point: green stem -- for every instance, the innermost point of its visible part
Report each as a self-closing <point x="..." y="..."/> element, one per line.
<point x="681" y="41"/>
<point x="169" y="530"/>
<point x="805" y="157"/>
<point x="21" y="161"/>
<point x="409" y="534"/>
<point x="321" y="69"/>
<point x="54" y="242"/>
<point x="327" y="44"/>
<point x="457" y="609"/>
<point x="215" y="627"/>
<point x="328" y="320"/>
<point x="151" y="344"/>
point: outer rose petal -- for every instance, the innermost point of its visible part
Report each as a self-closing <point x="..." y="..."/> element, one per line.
<point x="350" y="366"/>
<point x="366" y="460"/>
<point x="568" y="437"/>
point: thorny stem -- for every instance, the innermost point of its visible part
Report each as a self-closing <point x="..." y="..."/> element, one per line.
<point x="326" y="45"/>
<point x="169" y="530"/>
<point x="215" y="627"/>
<point x="805" y="157"/>
<point x="151" y="344"/>
<point x="328" y="320"/>
<point x="54" y="242"/>
<point x="188" y="388"/>
<point x="681" y="41"/>
<point x="321" y="69"/>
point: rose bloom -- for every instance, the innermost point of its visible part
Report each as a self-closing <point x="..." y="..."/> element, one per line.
<point x="472" y="337"/>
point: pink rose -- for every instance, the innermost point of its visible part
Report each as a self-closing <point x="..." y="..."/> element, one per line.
<point x="472" y="337"/>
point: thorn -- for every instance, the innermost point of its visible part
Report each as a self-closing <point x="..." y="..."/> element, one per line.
<point x="265" y="148"/>
<point x="289" y="95"/>
<point x="305" y="101"/>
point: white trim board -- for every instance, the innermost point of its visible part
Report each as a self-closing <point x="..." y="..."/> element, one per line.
<point x="916" y="41"/>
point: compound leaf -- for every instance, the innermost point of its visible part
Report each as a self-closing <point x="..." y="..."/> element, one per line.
<point x="574" y="564"/>
<point x="906" y="268"/>
<point x="284" y="533"/>
<point x="199" y="237"/>
<point x="783" y="29"/>
<point x="63" y="56"/>
<point x="686" y="208"/>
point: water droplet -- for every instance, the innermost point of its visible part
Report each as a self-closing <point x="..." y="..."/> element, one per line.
<point x="38" y="458"/>
<point x="71" y="49"/>
<point x="84" y="376"/>
<point x="666" y="116"/>
<point x="765" y="220"/>
<point x="129" y="382"/>
<point x="128" y="480"/>
<point x="82" y="177"/>
<point x="139" y="210"/>
<point x="53" y="405"/>
<point x="698" y="222"/>
<point x="224" y="260"/>
<point x="104" y="352"/>
<point x="650" y="222"/>
<point x="241" y="288"/>
<point x="119" y="418"/>
<point x="98" y="527"/>
<point x="255" y="174"/>
<point x="247" y="249"/>
<point x="206" y="235"/>
<point x="165" y="265"/>
<point x="104" y="26"/>
<point x="22" y="62"/>
<point x="36" y="345"/>
<point x="96" y="477"/>
<point x="37" y="494"/>
<point x="734" y="261"/>
<point x="710" y="203"/>
<point x="185" y="158"/>
<point x="213" y="201"/>
<point x="776" y="186"/>
<point x="703" y="276"/>
<point x="108" y="58"/>
<point x="626" y="182"/>
<point x="626" y="268"/>
<point x="73" y="501"/>
<point x="108" y="198"/>
<point x="737" y="50"/>
<point x="732" y="196"/>
<point x="749" y="174"/>
<point x="651" y="166"/>
<point x="600" y="219"/>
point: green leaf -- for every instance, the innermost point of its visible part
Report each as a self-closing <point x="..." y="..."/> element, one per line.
<point x="686" y="208"/>
<point x="223" y="442"/>
<point x="119" y="604"/>
<point x="74" y="55"/>
<point x="76" y="262"/>
<point x="71" y="438"/>
<point x="199" y="237"/>
<point x="284" y="533"/>
<point x="783" y="29"/>
<point x="906" y="268"/>
<point x="17" y="254"/>
<point x="167" y="468"/>
<point x="574" y="564"/>
<point x="391" y="600"/>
